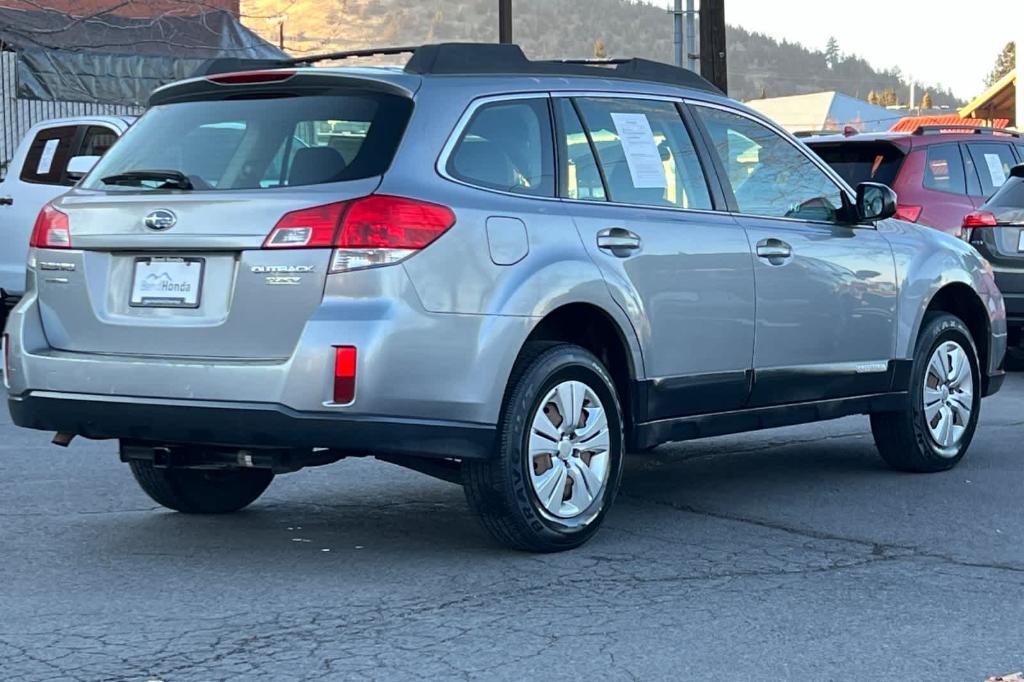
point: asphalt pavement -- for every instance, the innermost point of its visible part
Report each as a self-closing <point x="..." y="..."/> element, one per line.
<point x="791" y="554"/>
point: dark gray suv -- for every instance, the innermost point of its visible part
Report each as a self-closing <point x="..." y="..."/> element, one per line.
<point x="502" y="272"/>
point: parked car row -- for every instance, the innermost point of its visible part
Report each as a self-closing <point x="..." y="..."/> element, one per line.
<point x="501" y="272"/>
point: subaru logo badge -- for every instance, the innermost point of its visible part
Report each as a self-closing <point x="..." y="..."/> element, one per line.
<point x="161" y="219"/>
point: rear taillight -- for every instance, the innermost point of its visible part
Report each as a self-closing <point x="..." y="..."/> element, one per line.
<point x="344" y="374"/>
<point x="910" y="213"/>
<point x="52" y="230"/>
<point x="247" y="77"/>
<point x="374" y="230"/>
<point x="974" y="220"/>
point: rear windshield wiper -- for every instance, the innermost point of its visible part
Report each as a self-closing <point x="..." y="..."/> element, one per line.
<point x="172" y="179"/>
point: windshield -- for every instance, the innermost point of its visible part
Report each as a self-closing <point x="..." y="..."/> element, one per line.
<point x="858" y="162"/>
<point x="256" y="143"/>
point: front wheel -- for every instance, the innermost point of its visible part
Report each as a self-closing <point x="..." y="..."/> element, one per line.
<point x="559" y="459"/>
<point x="937" y="427"/>
<point x="201" y="491"/>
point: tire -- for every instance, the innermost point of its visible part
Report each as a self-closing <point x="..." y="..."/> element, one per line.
<point x="505" y="491"/>
<point x="908" y="440"/>
<point x="201" y="491"/>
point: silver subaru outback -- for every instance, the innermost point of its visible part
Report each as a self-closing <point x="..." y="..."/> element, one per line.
<point x="502" y="272"/>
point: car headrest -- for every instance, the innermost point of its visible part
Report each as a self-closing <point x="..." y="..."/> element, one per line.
<point x="315" y="165"/>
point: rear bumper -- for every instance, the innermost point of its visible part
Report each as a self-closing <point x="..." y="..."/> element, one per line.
<point x="1011" y="284"/>
<point x="250" y="425"/>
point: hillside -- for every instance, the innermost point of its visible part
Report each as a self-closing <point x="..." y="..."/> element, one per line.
<point x="562" y="28"/>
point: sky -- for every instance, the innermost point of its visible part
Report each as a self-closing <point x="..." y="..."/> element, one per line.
<point x="937" y="41"/>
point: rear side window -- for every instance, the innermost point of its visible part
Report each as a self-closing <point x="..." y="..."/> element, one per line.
<point x="260" y="143"/>
<point x="858" y="162"/>
<point x="944" y="169"/>
<point x="97" y="141"/>
<point x="992" y="163"/>
<point x="645" y="152"/>
<point x="507" y="146"/>
<point x="49" y="155"/>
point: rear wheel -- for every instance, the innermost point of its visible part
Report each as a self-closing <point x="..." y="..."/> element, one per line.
<point x="937" y="427"/>
<point x="201" y="491"/>
<point x="559" y="459"/>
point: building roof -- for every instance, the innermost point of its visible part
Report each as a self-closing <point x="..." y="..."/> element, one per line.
<point x="999" y="101"/>
<point x="909" y="124"/>
<point x="824" y="111"/>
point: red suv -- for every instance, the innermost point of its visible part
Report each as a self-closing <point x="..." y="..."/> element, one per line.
<point x="940" y="173"/>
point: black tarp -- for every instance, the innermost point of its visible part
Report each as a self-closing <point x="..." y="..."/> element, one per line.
<point x="119" y="60"/>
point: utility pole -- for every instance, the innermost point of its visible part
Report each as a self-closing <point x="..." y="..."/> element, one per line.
<point x="712" y="43"/>
<point x="691" y="36"/>
<point x="504" y="21"/>
<point x="677" y="22"/>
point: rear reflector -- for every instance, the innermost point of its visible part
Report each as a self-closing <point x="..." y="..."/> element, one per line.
<point x="246" y="77"/>
<point x="344" y="374"/>
<point x="910" y="213"/>
<point x="7" y="360"/>
<point x="367" y="232"/>
<point x="52" y="230"/>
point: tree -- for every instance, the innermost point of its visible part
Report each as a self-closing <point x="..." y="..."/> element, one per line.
<point x="926" y="101"/>
<point x="1005" y="63"/>
<point x="889" y="98"/>
<point x="873" y="98"/>
<point x="764" y="92"/>
<point x="832" y="55"/>
<point x="599" y="50"/>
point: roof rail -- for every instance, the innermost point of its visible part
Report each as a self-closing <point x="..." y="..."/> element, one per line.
<point x="961" y="127"/>
<point x="507" y="59"/>
<point x="466" y="59"/>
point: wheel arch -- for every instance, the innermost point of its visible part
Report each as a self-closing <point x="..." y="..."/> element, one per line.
<point x="612" y="341"/>
<point x="961" y="300"/>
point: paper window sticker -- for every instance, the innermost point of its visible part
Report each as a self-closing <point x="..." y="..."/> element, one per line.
<point x="641" y="151"/>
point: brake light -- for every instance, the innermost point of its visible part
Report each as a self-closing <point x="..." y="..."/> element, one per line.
<point x="974" y="220"/>
<point x="374" y="230"/>
<point x="246" y="77"/>
<point x="980" y="219"/>
<point x="344" y="374"/>
<point x="52" y="230"/>
<point x="909" y="213"/>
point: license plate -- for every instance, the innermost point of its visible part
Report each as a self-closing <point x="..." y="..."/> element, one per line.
<point x="1020" y="242"/>
<point x="167" y="282"/>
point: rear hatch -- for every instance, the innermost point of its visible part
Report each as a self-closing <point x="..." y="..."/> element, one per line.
<point x="168" y="232"/>
<point x="862" y="161"/>
<point x="997" y="228"/>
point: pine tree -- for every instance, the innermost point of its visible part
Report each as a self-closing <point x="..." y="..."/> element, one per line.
<point x="1005" y="63"/>
<point x="873" y="98"/>
<point x="889" y="98"/>
<point x="599" y="50"/>
<point x="926" y="101"/>
<point x="832" y="55"/>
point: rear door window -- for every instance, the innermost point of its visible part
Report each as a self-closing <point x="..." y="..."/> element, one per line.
<point x="992" y="162"/>
<point x="48" y="156"/>
<point x="507" y="147"/>
<point x="645" y="153"/>
<point x="858" y="162"/>
<point x="944" y="169"/>
<point x="260" y="143"/>
<point x="579" y="173"/>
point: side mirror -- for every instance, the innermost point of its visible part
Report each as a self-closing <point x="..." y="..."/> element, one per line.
<point x="875" y="201"/>
<point x="79" y="166"/>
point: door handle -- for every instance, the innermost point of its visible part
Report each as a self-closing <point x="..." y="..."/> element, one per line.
<point x="6" y="201"/>
<point x="619" y="241"/>
<point x="775" y="251"/>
